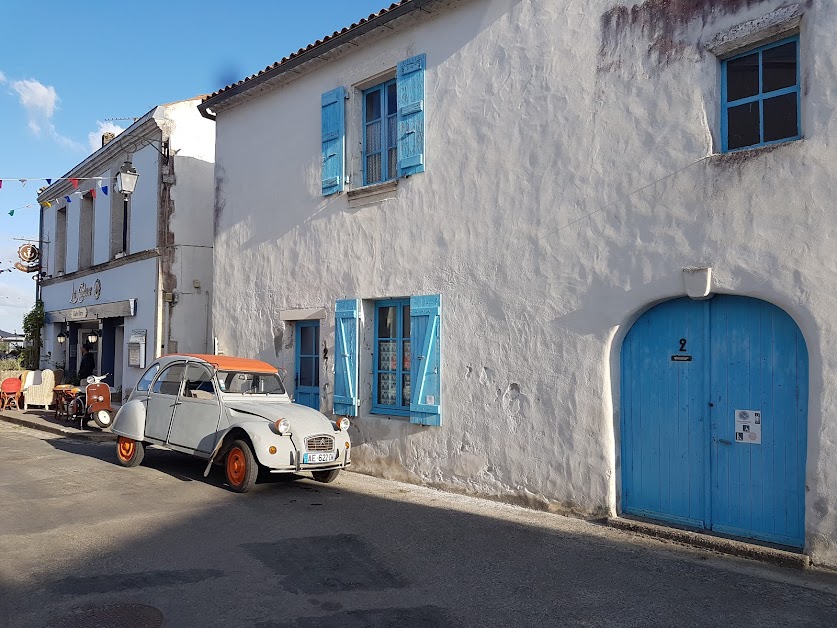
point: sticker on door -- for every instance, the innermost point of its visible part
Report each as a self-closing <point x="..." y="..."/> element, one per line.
<point x="748" y="427"/>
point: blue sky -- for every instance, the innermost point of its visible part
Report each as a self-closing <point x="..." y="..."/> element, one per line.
<point x="66" y="67"/>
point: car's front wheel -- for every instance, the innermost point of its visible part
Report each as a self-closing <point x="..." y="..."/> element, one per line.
<point x="241" y="467"/>
<point x="129" y="452"/>
<point x="326" y="476"/>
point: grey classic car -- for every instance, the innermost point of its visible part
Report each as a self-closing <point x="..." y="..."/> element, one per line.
<point x="233" y="411"/>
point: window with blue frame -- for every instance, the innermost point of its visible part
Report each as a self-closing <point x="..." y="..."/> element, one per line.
<point x="380" y="138"/>
<point x="761" y="96"/>
<point x="391" y="384"/>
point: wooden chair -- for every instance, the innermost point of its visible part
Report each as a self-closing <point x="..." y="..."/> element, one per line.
<point x="10" y="393"/>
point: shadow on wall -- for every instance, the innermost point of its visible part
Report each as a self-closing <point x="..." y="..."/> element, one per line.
<point x="306" y="555"/>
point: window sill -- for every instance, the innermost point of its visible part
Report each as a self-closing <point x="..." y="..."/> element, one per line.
<point x="387" y="189"/>
<point x="744" y="154"/>
<point x="390" y="413"/>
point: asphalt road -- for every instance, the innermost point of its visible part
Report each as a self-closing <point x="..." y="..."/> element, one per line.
<point x="82" y="538"/>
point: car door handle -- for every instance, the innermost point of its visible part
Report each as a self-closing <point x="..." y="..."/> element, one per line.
<point x="176" y="403"/>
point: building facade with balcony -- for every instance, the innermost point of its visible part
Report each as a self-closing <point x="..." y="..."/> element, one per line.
<point x="134" y="276"/>
<point x="572" y="255"/>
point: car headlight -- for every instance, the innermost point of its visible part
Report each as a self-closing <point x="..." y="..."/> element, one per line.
<point x="283" y="426"/>
<point x="343" y="423"/>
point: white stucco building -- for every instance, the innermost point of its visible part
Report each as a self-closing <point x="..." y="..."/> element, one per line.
<point x="139" y="273"/>
<point x="485" y="230"/>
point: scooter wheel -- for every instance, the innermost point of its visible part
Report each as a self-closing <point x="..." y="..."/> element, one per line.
<point x="102" y="418"/>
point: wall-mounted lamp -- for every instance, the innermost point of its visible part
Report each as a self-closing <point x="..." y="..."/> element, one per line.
<point x="126" y="179"/>
<point x="93" y="336"/>
<point x="61" y="338"/>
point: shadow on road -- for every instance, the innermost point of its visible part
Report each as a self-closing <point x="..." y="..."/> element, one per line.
<point x="307" y="555"/>
<point x="182" y="467"/>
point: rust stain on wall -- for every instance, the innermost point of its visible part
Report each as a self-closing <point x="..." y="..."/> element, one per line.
<point x="660" y="23"/>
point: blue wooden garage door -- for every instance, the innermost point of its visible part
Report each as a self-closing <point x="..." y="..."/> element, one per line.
<point x="714" y="418"/>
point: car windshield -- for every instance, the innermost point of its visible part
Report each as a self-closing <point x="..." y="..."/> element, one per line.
<point x="246" y="383"/>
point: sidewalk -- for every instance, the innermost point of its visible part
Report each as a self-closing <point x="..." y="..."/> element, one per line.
<point x="45" y="421"/>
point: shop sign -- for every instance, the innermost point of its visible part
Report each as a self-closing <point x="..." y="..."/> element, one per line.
<point x="78" y="313"/>
<point x="83" y="291"/>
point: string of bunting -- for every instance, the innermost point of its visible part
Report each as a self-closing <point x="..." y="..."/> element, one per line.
<point x="75" y="181"/>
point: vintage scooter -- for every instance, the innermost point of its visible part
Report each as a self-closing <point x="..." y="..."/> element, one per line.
<point x="93" y="403"/>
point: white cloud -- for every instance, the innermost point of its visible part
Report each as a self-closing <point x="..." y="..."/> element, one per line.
<point x="95" y="137"/>
<point x="38" y="99"/>
<point x="40" y="102"/>
<point x="2" y="78"/>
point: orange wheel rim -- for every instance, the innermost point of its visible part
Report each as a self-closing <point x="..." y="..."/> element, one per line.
<point x="125" y="448"/>
<point x="236" y="466"/>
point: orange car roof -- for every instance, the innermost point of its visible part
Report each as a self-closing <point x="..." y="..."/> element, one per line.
<point x="230" y="363"/>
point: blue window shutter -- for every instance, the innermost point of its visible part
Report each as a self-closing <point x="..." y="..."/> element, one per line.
<point x="334" y="140"/>
<point x="410" y="85"/>
<point x="425" y="367"/>
<point x="346" y="316"/>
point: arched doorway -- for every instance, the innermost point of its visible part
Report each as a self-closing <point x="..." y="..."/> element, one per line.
<point x="714" y="414"/>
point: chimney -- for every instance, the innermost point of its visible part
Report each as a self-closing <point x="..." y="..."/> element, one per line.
<point x="107" y="137"/>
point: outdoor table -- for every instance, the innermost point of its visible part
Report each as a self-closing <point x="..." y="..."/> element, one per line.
<point x="63" y="395"/>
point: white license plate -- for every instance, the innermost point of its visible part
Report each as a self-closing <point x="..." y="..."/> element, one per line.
<point x="329" y="456"/>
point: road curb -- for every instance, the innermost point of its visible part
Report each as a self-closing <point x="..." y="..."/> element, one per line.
<point x="714" y="543"/>
<point x="98" y="437"/>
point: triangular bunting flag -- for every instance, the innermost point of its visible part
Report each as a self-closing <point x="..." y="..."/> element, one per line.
<point x="93" y="192"/>
<point x="12" y="213"/>
<point x="22" y="182"/>
<point x="68" y="199"/>
<point x="105" y="189"/>
<point x="1" y="183"/>
<point x="75" y="183"/>
<point x="49" y="181"/>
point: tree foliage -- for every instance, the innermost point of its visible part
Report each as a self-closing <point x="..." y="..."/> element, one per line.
<point x="32" y="324"/>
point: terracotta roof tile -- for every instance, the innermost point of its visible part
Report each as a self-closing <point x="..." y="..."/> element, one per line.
<point x="319" y="42"/>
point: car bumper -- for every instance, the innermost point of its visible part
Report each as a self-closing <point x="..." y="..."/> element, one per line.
<point x="288" y="455"/>
<point x="311" y="467"/>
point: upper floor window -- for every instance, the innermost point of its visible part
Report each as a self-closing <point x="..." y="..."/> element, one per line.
<point x="60" y="240"/>
<point x="392" y="129"/>
<point x="380" y="133"/>
<point x="85" y="232"/>
<point x="760" y="96"/>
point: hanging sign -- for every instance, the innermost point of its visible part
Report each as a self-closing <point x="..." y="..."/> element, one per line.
<point x="748" y="427"/>
<point x="28" y="253"/>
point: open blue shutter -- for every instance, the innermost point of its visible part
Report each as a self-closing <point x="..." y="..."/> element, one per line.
<point x="425" y="373"/>
<point x="345" y="356"/>
<point x="334" y="140"/>
<point x="410" y="85"/>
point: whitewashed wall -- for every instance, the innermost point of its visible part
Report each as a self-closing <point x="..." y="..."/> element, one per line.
<point x="145" y="201"/>
<point x="193" y="138"/>
<point x="48" y="239"/>
<point x="570" y="179"/>
<point x="101" y="220"/>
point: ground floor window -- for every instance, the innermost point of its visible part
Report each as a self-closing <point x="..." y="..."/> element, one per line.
<point x="391" y="394"/>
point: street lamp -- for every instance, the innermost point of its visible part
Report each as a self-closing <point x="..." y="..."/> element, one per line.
<point x="126" y="183"/>
<point x="62" y="338"/>
<point x="92" y="336"/>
